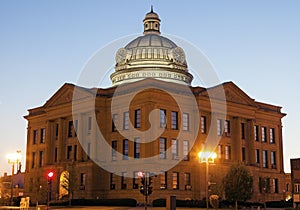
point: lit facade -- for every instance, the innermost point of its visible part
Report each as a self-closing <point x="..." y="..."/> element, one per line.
<point x="59" y="139"/>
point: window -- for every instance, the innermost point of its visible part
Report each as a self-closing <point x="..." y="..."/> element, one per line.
<point x="243" y="154"/>
<point x="35" y="136"/>
<point x="185" y="121"/>
<point x="186" y="149"/>
<point x="70" y="129"/>
<point x="55" y="155"/>
<point x="219" y="127"/>
<point x="33" y="160"/>
<point x="175" y="181"/>
<point x="162" y="148"/>
<point x="203" y="124"/>
<point x="257" y="156"/>
<point x="265" y="158"/>
<point x="243" y="130"/>
<point x="137" y="148"/>
<point x="256" y="133"/>
<point x="227" y="152"/>
<point x="187" y="181"/>
<point x="163" y="180"/>
<point x="125" y="149"/>
<point x="56" y="131"/>
<point x="296" y="188"/>
<point x="112" y="181"/>
<point x="272" y="135"/>
<point x="89" y="130"/>
<point x="135" y="184"/>
<point x="88" y="150"/>
<point x="163" y="118"/>
<point x="263" y="134"/>
<point x="126" y="120"/>
<point x="114" y="122"/>
<point x="273" y="159"/>
<point x="174" y="120"/>
<point x="123" y="181"/>
<point x="174" y="149"/>
<point x="75" y="152"/>
<point x="41" y="161"/>
<point x="114" y="150"/>
<point x="137" y="118"/>
<point x="219" y="151"/>
<point x="75" y="127"/>
<point x="227" y="127"/>
<point x="43" y="135"/>
<point x="275" y="185"/>
<point x="82" y="180"/>
<point x="69" y="152"/>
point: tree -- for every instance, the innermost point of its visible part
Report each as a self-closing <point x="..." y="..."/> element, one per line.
<point x="238" y="184"/>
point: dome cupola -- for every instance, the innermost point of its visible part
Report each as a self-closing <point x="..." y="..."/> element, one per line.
<point x="151" y="56"/>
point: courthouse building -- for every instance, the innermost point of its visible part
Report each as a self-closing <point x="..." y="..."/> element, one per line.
<point x="96" y="137"/>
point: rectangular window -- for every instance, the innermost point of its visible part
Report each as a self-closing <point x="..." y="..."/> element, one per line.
<point x="69" y="152"/>
<point x="35" y="136"/>
<point x="187" y="181"/>
<point x="265" y="158"/>
<point x="70" y="129"/>
<point x="219" y="151"/>
<point x="56" y="131"/>
<point x="174" y="120"/>
<point x="125" y="149"/>
<point x="75" y="152"/>
<point x="185" y="121"/>
<point x="41" y="161"/>
<point x="243" y="130"/>
<point x="219" y="127"/>
<point x="137" y="118"/>
<point x="174" y="149"/>
<point x="273" y="159"/>
<point x="162" y="148"/>
<point x="114" y="150"/>
<point x="275" y="185"/>
<point x="75" y="127"/>
<point x="33" y="160"/>
<point x="227" y="152"/>
<point x="263" y="134"/>
<point x="163" y="181"/>
<point x="55" y="155"/>
<point x="163" y="118"/>
<point x="88" y="150"/>
<point x="112" y="181"/>
<point x="43" y="133"/>
<point x="123" y="181"/>
<point x="257" y="156"/>
<point x="137" y="148"/>
<point x="203" y="124"/>
<point x="256" y="133"/>
<point x="126" y="120"/>
<point x="296" y="188"/>
<point x="175" y="180"/>
<point x="243" y="154"/>
<point x="114" y="122"/>
<point x="186" y="149"/>
<point x="272" y="135"/>
<point x="82" y="180"/>
<point x="227" y="127"/>
<point x="89" y="129"/>
<point x="135" y="184"/>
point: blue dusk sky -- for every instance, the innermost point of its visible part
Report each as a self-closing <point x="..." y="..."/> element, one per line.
<point x="43" y="44"/>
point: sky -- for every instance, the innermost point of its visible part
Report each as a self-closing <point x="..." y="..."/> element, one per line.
<point x="44" y="44"/>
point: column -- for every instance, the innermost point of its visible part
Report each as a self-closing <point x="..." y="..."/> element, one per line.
<point x="80" y="132"/>
<point x="49" y="143"/>
<point x="236" y="145"/>
<point x="61" y="140"/>
<point x="250" y="141"/>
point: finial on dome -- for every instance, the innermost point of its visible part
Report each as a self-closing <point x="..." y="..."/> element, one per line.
<point x="151" y="23"/>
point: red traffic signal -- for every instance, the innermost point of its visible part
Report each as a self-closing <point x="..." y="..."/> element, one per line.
<point x="50" y="174"/>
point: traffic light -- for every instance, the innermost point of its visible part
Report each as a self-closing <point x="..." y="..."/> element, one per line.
<point x="50" y="176"/>
<point x="149" y="186"/>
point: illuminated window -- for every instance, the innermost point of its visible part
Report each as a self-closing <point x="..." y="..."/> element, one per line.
<point x="175" y="180"/>
<point x="125" y="149"/>
<point x="126" y="120"/>
<point x="272" y="135"/>
<point x="174" y="149"/>
<point x="263" y="134"/>
<point x="219" y="127"/>
<point x="114" y="149"/>
<point x="137" y="148"/>
<point x="256" y="133"/>
<point x="265" y="158"/>
<point x="163" y="181"/>
<point x="203" y="124"/>
<point x="43" y="134"/>
<point x="35" y="136"/>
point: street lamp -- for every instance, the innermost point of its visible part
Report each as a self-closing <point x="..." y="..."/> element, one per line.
<point x="207" y="157"/>
<point x="13" y="159"/>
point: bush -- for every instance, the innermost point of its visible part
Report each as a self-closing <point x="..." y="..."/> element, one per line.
<point x="98" y="202"/>
<point x="161" y="202"/>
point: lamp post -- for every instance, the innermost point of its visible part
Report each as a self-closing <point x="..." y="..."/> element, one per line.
<point x="206" y="157"/>
<point x="13" y="159"/>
